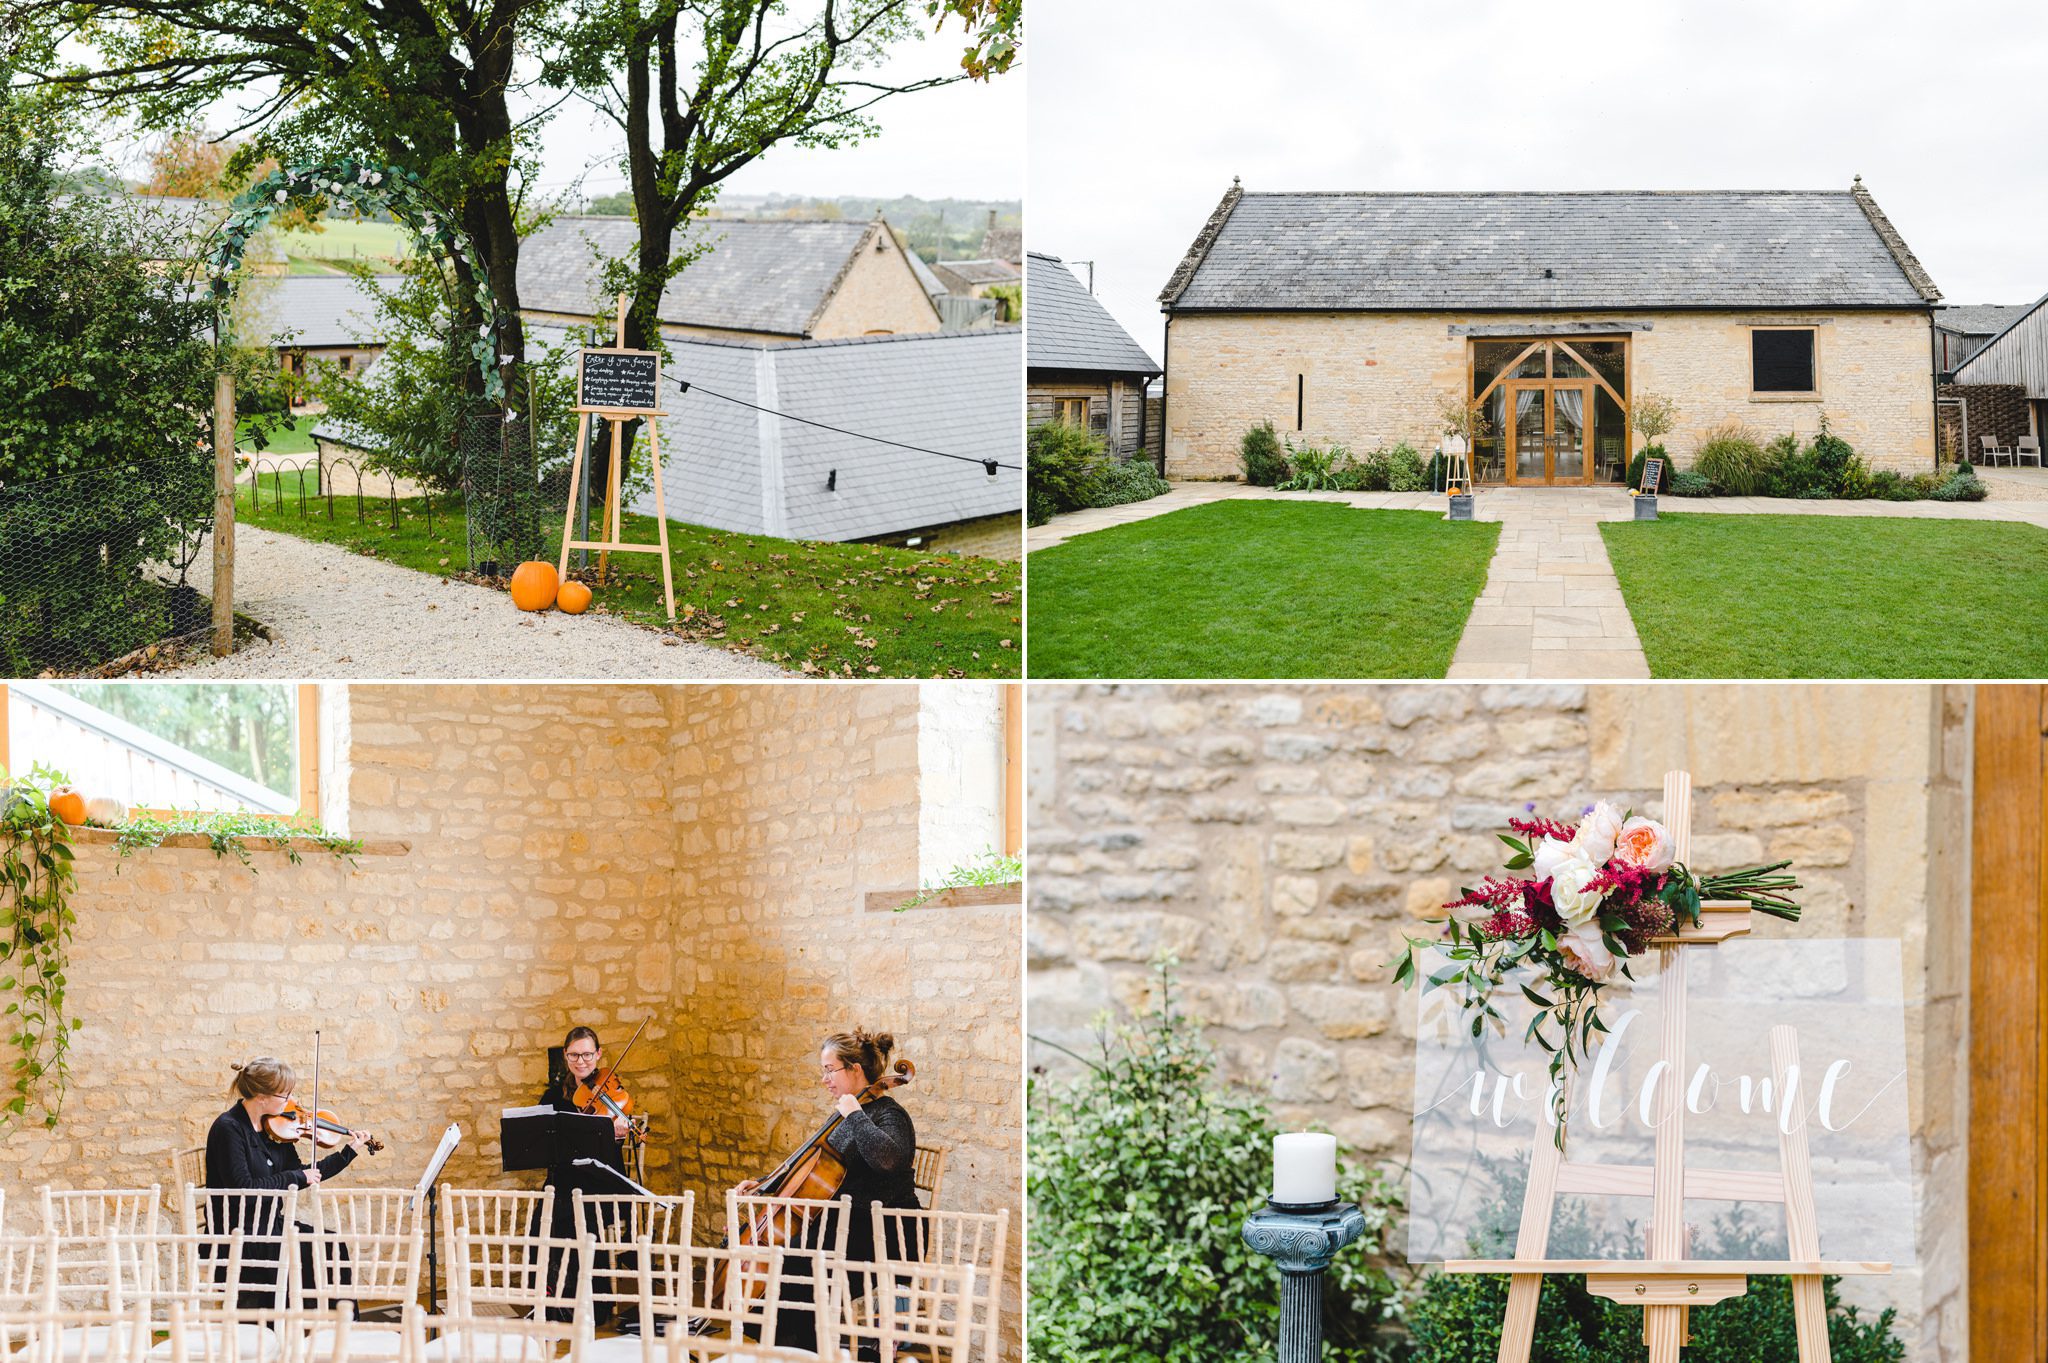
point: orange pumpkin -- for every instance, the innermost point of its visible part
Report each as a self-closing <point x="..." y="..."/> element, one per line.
<point x="68" y="804"/>
<point x="574" y="598"/>
<point x="533" y="585"/>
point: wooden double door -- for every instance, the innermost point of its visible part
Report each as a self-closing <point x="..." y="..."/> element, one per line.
<point x="1546" y="436"/>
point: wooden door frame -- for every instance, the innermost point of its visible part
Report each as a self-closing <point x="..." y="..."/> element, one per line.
<point x="1587" y="389"/>
<point x="2008" y="1110"/>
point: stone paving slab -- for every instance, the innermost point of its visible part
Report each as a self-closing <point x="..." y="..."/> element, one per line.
<point x="1551" y="606"/>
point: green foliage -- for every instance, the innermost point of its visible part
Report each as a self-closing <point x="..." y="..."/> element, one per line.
<point x="1066" y="465"/>
<point x="1142" y="1173"/>
<point x="1264" y="465"/>
<point x="1375" y="471"/>
<point x="1009" y="301"/>
<point x="1733" y="459"/>
<point x="1314" y="469"/>
<point x="1405" y="470"/>
<point x="1641" y="461"/>
<point x="1961" y="485"/>
<point x="1653" y="415"/>
<point x="36" y="923"/>
<point x="105" y="360"/>
<point x="1686" y="483"/>
<point x="228" y="833"/>
<point x="989" y="868"/>
<point x="1458" y="1317"/>
<point x="1129" y="480"/>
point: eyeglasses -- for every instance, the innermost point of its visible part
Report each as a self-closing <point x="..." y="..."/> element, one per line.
<point x="579" y="1055"/>
<point x="829" y="1070"/>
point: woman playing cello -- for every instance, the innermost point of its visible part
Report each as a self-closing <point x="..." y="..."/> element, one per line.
<point x="877" y="1143"/>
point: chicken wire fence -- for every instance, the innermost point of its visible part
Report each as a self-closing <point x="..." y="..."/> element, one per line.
<point x="94" y="565"/>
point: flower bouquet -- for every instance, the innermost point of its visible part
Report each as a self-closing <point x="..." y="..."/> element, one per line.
<point x="1590" y="899"/>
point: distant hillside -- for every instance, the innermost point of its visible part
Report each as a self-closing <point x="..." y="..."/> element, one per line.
<point x="937" y="229"/>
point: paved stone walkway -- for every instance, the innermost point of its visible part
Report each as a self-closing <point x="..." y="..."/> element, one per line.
<point x="1551" y="606"/>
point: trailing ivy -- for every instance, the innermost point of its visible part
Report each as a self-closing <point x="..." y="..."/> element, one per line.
<point x="227" y="833"/>
<point x="36" y="880"/>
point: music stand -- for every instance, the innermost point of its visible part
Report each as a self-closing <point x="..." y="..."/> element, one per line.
<point x="543" y="1138"/>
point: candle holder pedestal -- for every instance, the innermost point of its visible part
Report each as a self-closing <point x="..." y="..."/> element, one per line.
<point x="1302" y="1240"/>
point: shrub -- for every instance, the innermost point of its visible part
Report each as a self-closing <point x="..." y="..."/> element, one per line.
<point x="1142" y="1172"/>
<point x="1833" y="454"/>
<point x="1309" y="468"/>
<point x="1641" y="461"/>
<point x="1405" y="471"/>
<point x="1733" y="459"/>
<point x="1128" y="480"/>
<point x="1438" y="472"/>
<point x="1038" y="508"/>
<point x="1066" y="462"/>
<point x="1686" y="483"/>
<point x="1961" y="485"/>
<point x="1374" y="471"/>
<point x="1264" y="465"/>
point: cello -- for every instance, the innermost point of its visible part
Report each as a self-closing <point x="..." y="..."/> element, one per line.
<point x="813" y="1172"/>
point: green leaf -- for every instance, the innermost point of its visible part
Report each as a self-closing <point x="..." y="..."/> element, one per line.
<point x="1537" y="998"/>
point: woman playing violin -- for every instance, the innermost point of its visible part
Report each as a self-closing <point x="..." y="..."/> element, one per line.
<point x="248" y="1147"/>
<point x="583" y="1055"/>
<point x="876" y="1141"/>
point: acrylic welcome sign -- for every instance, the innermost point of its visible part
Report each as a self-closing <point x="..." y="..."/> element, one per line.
<point x="1786" y="1044"/>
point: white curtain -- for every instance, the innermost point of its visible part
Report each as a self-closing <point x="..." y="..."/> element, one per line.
<point x="1571" y="411"/>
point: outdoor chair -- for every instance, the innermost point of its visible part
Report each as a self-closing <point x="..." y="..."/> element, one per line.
<point x="2025" y="448"/>
<point x="1991" y="450"/>
<point x="923" y="1308"/>
<point x="484" y="1339"/>
<point x="928" y="1172"/>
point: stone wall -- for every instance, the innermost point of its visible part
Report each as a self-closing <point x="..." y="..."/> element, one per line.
<point x="998" y="537"/>
<point x="1279" y="841"/>
<point x="1371" y="379"/>
<point x="697" y="856"/>
<point x="879" y="295"/>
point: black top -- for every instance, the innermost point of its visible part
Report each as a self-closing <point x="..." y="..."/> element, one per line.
<point x="240" y="1156"/>
<point x="878" y="1145"/>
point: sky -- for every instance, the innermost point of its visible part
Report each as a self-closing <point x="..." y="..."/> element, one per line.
<point x="1139" y="116"/>
<point x="964" y="140"/>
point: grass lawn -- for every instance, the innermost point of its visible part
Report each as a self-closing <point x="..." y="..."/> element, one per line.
<point x="1259" y="589"/>
<point x="345" y="239"/>
<point x="1834" y="596"/>
<point x="852" y="610"/>
<point x="291" y="440"/>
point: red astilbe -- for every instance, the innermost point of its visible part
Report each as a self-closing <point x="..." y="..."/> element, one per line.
<point x="1623" y="883"/>
<point x="1646" y="918"/>
<point x="1508" y="925"/>
<point x="1492" y="893"/>
<point x="1543" y="828"/>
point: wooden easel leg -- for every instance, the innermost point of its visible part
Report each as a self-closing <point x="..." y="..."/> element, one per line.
<point x="1664" y="1332"/>
<point x="611" y="506"/>
<point x="1518" y="1327"/>
<point x="575" y="486"/>
<point x="668" y="580"/>
<point x="1810" y="1319"/>
<point x="1802" y="1225"/>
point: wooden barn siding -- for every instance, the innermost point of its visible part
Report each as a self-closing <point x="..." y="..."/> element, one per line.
<point x="2020" y="357"/>
<point x="1115" y="408"/>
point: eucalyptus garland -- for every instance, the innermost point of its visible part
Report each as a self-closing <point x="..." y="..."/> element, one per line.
<point x="392" y="189"/>
<point x="36" y="880"/>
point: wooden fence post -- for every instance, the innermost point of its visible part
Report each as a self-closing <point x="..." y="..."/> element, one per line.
<point x="223" y="515"/>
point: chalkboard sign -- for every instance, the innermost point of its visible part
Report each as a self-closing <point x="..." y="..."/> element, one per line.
<point x="1653" y="474"/>
<point x="619" y="381"/>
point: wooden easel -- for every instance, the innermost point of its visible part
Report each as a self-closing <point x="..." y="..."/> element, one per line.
<point x="1668" y="1284"/>
<point x="613" y="521"/>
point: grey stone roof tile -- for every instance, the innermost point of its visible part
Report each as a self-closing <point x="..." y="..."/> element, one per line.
<point x="1547" y="251"/>
<point x="1070" y="329"/>
<point x="320" y="310"/>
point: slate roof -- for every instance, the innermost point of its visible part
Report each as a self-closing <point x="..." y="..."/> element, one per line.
<point x="319" y="310"/>
<point x="1629" y="249"/>
<point x="771" y="275"/>
<point x="967" y="274"/>
<point x="1980" y="319"/>
<point x="933" y="285"/>
<point x="1069" y="327"/>
<point x="727" y="466"/>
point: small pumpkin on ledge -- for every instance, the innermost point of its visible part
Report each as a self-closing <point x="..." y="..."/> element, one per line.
<point x="68" y="804"/>
<point x="533" y="585"/>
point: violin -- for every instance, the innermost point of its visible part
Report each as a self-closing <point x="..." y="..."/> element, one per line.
<point x="812" y="1172"/>
<point x="606" y="1092"/>
<point x="324" y="1129"/>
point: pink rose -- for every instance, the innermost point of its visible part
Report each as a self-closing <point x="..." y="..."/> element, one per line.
<point x="1597" y="832"/>
<point x="1584" y="952"/>
<point x="1645" y="844"/>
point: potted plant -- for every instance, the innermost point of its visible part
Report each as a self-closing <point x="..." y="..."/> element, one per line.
<point x="1462" y="426"/>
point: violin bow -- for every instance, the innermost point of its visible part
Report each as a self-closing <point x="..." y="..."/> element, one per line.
<point x="314" y="1126"/>
<point x="606" y="1077"/>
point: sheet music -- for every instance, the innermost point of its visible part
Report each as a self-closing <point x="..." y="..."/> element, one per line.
<point x="450" y="1138"/>
<point x="538" y="1110"/>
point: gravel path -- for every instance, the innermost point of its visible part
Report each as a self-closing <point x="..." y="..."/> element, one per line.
<point x="340" y="614"/>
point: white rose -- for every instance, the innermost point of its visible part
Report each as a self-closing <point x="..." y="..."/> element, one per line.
<point x="1584" y="952"/>
<point x="1597" y="832"/>
<point x="1568" y="893"/>
<point x="1645" y="843"/>
<point x="1550" y="854"/>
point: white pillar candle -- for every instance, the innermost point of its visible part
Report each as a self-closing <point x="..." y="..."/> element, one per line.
<point x="1304" y="1168"/>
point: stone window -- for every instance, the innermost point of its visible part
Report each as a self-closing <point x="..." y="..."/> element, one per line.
<point x="1781" y="360"/>
<point x="244" y="747"/>
<point x="969" y="776"/>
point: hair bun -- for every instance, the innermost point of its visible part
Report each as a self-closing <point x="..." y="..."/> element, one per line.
<point x="882" y="1042"/>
